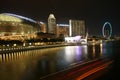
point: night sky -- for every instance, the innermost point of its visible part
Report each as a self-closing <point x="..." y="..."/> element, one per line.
<point x="94" y="12"/>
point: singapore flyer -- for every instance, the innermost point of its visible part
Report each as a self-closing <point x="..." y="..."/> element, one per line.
<point x="107" y="30"/>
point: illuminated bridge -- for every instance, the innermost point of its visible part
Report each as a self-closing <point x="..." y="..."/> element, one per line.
<point x="16" y="27"/>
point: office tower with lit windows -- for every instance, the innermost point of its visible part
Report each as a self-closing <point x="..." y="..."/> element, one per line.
<point x="77" y="27"/>
<point x="52" y="24"/>
<point x="62" y="30"/>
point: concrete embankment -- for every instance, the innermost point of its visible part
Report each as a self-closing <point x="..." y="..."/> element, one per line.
<point x="25" y="48"/>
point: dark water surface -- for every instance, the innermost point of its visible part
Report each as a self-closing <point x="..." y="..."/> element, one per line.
<point x="33" y="64"/>
<point x="114" y="72"/>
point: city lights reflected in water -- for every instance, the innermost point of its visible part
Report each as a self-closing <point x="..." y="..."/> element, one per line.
<point x="69" y="53"/>
<point x="93" y="49"/>
<point x="101" y="49"/>
<point x="85" y="51"/>
<point x="33" y="64"/>
<point x="78" y="52"/>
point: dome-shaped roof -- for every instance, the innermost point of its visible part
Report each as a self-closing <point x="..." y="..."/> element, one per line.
<point x="52" y="16"/>
<point x="14" y="17"/>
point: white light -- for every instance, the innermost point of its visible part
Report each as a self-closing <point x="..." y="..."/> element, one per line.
<point x="8" y="45"/>
<point x="30" y="44"/>
<point x="70" y="29"/>
<point x="63" y="25"/>
<point x="23" y="44"/>
<point x="41" y="22"/>
<point x="14" y="44"/>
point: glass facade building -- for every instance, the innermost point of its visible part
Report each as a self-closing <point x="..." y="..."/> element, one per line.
<point x="77" y="27"/>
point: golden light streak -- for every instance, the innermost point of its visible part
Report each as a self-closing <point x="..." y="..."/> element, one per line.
<point x="93" y="70"/>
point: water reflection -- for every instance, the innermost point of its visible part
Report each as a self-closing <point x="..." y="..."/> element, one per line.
<point x="107" y="49"/>
<point x="75" y="53"/>
<point x="93" y="49"/>
<point x="101" y="49"/>
<point x="33" y="64"/>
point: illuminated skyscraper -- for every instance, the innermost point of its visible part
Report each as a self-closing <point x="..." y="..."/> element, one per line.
<point x="62" y="30"/>
<point x="77" y="27"/>
<point x="51" y="24"/>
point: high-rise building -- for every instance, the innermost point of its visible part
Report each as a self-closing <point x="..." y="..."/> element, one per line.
<point x="52" y="24"/>
<point x="77" y="27"/>
<point x="62" y="30"/>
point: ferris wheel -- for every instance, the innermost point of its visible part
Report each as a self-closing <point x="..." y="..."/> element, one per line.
<point x="107" y="30"/>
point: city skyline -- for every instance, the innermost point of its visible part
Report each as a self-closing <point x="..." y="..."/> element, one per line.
<point x="95" y="12"/>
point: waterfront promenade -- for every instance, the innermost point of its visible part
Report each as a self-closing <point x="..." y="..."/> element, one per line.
<point x="33" y="47"/>
<point x="25" y="48"/>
